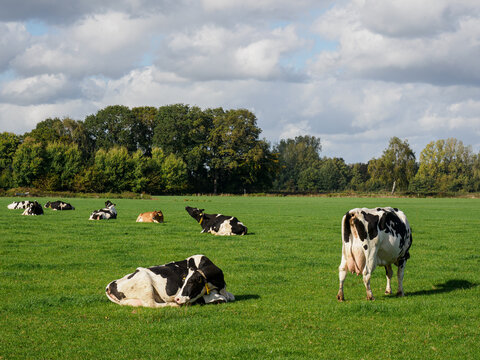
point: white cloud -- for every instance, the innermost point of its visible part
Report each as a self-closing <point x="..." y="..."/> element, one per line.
<point x="13" y="39"/>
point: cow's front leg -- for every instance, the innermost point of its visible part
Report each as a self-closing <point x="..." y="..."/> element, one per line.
<point x="400" y="271"/>
<point x="389" y="273"/>
<point x="342" y="274"/>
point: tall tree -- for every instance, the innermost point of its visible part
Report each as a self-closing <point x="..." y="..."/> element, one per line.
<point x="9" y="143"/>
<point x="396" y="166"/>
<point x="28" y="162"/>
<point x="446" y="165"/>
<point x="296" y="156"/>
<point x="112" y="126"/>
<point x="236" y="155"/>
<point x="63" y="162"/>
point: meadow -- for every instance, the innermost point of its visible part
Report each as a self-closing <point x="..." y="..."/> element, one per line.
<point x="284" y="274"/>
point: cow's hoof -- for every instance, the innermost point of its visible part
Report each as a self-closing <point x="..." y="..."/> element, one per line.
<point x="388" y="292"/>
<point x="340" y="297"/>
<point x="400" y="294"/>
<point x="370" y="298"/>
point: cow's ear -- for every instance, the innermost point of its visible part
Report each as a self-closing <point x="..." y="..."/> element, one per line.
<point x="201" y="210"/>
<point x="191" y="264"/>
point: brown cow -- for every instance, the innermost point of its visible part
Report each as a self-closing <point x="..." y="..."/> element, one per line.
<point x="152" y="216"/>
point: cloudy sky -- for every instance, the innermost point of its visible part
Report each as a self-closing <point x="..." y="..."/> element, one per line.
<point x="354" y="72"/>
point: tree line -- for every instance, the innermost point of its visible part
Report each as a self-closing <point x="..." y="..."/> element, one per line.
<point x="184" y="149"/>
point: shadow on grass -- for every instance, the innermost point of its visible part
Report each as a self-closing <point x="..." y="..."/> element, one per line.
<point x="448" y="286"/>
<point x="246" y="297"/>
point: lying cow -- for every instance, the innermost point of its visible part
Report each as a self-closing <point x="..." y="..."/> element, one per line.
<point x="58" y="205"/>
<point x="372" y="237"/>
<point x="152" y="216"/>
<point x="34" y="208"/>
<point x="217" y="224"/>
<point x="108" y="212"/>
<point x="19" y="204"/>
<point x="190" y="281"/>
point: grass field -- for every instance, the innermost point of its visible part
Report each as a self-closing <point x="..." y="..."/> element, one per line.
<point x="54" y="268"/>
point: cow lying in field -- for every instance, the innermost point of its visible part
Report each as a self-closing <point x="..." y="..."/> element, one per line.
<point x="217" y="224"/>
<point x="19" y="204"/>
<point x="371" y="238"/>
<point x="190" y="281"/>
<point x="58" y="205"/>
<point x="34" y="208"/>
<point x="108" y="212"/>
<point x="152" y="216"/>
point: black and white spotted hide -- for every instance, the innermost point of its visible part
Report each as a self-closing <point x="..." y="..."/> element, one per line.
<point x="195" y="280"/>
<point x="108" y="212"/>
<point x="34" y="208"/>
<point x="19" y="204"/>
<point x="217" y="224"/>
<point x="371" y="238"/>
<point x="58" y="205"/>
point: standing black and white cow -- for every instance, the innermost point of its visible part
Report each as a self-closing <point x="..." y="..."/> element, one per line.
<point x="19" y="204"/>
<point x="108" y="212"/>
<point x="34" y="208"/>
<point x="193" y="280"/>
<point x="371" y="238"/>
<point x="217" y="224"/>
<point x="58" y="205"/>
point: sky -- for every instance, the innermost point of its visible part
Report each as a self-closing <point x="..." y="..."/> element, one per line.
<point x="354" y="73"/>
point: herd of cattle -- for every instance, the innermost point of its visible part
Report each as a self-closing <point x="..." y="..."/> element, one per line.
<point x="370" y="238"/>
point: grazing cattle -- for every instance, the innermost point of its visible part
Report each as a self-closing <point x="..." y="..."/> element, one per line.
<point x="371" y="238"/>
<point x="58" y="205"/>
<point x="19" y="204"/>
<point x="34" y="208"/>
<point x="152" y="216"/>
<point x="193" y="280"/>
<point x="108" y="212"/>
<point x="217" y="224"/>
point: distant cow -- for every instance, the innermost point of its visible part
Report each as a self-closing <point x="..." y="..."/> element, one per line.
<point x="193" y="280"/>
<point x="152" y="216"/>
<point x="372" y="237"/>
<point x="108" y="212"/>
<point x="58" y="205"/>
<point x="34" y="208"/>
<point x="217" y="224"/>
<point x="19" y="204"/>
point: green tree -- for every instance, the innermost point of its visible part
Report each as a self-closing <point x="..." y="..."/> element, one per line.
<point x="446" y="165"/>
<point x="359" y="172"/>
<point x="28" y="162"/>
<point x="296" y="156"/>
<point x="396" y="166"/>
<point x="236" y="156"/>
<point x="174" y="174"/>
<point x="8" y="146"/>
<point x="143" y="127"/>
<point x="112" y="126"/>
<point x="63" y="162"/>
<point x="116" y="167"/>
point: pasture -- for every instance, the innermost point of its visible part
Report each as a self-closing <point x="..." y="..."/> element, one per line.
<point x="54" y="269"/>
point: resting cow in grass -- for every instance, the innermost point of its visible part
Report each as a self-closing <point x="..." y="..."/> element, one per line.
<point x="371" y="238"/>
<point x="58" y="205"/>
<point x="195" y="280"/>
<point x="152" y="216"/>
<point x="19" y="204"/>
<point x="108" y="212"/>
<point x="34" y="208"/>
<point x="217" y="224"/>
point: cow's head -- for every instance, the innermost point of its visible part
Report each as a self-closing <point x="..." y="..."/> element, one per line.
<point x="196" y="213"/>
<point x="48" y="204"/>
<point x="194" y="287"/>
<point x="134" y="289"/>
<point x="108" y="203"/>
<point x="157" y="216"/>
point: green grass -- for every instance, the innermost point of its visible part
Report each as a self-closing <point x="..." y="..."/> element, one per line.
<point x="54" y="268"/>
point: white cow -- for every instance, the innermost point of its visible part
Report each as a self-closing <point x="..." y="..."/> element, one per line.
<point x="371" y="238"/>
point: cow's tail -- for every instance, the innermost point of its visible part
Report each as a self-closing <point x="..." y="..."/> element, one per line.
<point x="353" y="250"/>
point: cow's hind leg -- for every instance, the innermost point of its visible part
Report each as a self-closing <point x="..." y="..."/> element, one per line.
<point x="342" y="274"/>
<point x="401" y="269"/>
<point x="389" y="273"/>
